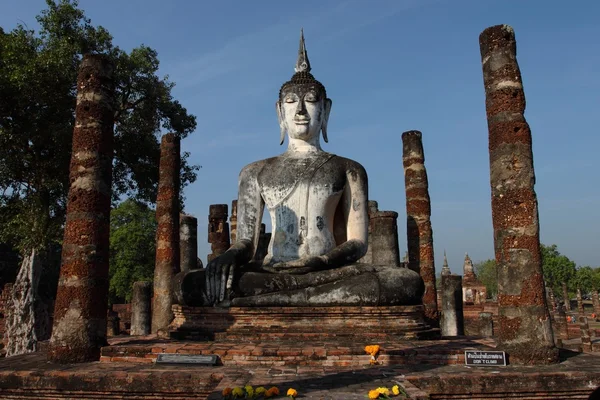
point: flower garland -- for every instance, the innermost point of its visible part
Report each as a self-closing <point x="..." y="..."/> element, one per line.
<point x="248" y="392"/>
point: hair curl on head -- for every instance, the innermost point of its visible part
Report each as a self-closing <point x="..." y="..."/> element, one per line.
<point x="303" y="78"/>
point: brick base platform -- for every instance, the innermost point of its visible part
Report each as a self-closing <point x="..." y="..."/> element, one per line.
<point x="297" y="323"/>
<point x="31" y="377"/>
<point x="297" y="355"/>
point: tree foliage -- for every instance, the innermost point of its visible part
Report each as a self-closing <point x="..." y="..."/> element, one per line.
<point x="487" y="273"/>
<point x="38" y="73"/>
<point x="132" y="248"/>
<point x="557" y="268"/>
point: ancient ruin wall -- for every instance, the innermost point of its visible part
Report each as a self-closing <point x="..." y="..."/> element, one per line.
<point x="79" y="328"/>
<point x="418" y="224"/>
<point x="524" y="323"/>
<point x="167" y="232"/>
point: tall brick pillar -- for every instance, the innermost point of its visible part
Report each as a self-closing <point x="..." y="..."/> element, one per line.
<point x="188" y="242"/>
<point x="167" y="232"/>
<point x="79" y="328"/>
<point x="233" y="221"/>
<point x="524" y="331"/>
<point x="418" y="224"/>
<point x="218" y="230"/>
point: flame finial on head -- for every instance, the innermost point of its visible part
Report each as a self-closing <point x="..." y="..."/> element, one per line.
<point x="302" y="64"/>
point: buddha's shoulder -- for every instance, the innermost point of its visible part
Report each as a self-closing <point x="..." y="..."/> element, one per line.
<point x="255" y="167"/>
<point x="349" y="164"/>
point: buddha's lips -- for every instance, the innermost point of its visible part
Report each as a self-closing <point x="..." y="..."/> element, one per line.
<point x="302" y="121"/>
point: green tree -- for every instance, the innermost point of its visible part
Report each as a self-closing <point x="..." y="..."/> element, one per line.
<point x="557" y="268"/>
<point x="585" y="279"/>
<point x="38" y="73"/>
<point x="132" y="248"/>
<point x="487" y="273"/>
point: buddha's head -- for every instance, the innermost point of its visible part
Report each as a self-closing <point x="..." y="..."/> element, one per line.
<point x="303" y="107"/>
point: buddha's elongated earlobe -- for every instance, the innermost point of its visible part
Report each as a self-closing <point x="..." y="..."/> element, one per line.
<point x="281" y="122"/>
<point x="326" y="112"/>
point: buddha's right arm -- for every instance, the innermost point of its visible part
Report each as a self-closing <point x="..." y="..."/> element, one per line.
<point x="249" y="214"/>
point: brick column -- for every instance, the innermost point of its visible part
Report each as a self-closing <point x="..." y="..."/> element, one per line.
<point x="566" y="297"/>
<point x="233" y="221"/>
<point x="418" y="225"/>
<point x="552" y="299"/>
<point x="452" y="319"/>
<point x="384" y="238"/>
<point x="141" y="310"/>
<point x="188" y="242"/>
<point x="596" y="302"/>
<point x="373" y="208"/>
<point x="218" y="230"/>
<point x="524" y="330"/>
<point x="167" y="232"/>
<point x="580" y="309"/>
<point x="79" y="328"/>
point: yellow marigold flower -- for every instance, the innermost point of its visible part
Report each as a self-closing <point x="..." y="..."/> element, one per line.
<point x="395" y="390"/>
<point x="227" y="391"/>
<point x="260" y="390"/>
<point x="249" y="391"/>
<point x="372" y="349"/>
<point x="373" y="394"/>
<point x="383" y="390"/>
<point x="292" y="393"/>
<point x="238" y="392"/>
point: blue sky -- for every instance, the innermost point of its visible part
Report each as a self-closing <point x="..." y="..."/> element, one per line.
<point x="389" y="66"/>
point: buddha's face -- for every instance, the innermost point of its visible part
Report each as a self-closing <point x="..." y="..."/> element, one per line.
<point x="302" y="110"/>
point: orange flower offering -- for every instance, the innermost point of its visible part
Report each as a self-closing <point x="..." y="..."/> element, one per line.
<point x="292" y="393"/>
<point x="372" y="349"/>
<point x="227" y="392"/>
<point x="272" y="392"/>
<point x="373" y="394"/>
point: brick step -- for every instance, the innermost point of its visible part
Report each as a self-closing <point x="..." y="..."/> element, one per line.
<point x="421" y="332"/>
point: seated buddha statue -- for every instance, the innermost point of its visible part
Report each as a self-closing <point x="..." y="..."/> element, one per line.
<point x="318" y="204"/>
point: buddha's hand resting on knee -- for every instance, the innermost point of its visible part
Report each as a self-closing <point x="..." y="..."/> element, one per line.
<point x="300" y="266"/>
<point x="219" y="277"/>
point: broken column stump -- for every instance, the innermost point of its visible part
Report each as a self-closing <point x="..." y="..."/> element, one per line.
<point x="141" y="308"/>
<point x="418" y="224"/>
<point x="218" y="230"/>
<point x="167" y="232"/>
<point x="188" y="242"/>
<point x="452" y="318"/>
<point x="113" y="323"/>
<point x="383" y="238"/>
<point x="524" y="330"/>
<point x="79" y="328"/>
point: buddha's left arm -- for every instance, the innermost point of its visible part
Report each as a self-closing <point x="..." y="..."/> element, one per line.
<point x="355" y="206"/>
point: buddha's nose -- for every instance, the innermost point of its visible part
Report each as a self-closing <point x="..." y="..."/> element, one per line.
<point x="301" y="110"/>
